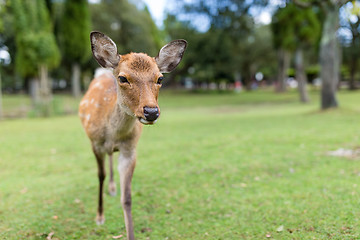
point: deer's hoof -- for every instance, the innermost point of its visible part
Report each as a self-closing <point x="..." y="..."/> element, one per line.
<point x="100" y="219"/>
<point x="112" y="189"/>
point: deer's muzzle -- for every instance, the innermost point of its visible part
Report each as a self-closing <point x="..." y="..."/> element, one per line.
<point x="151" y="114"/>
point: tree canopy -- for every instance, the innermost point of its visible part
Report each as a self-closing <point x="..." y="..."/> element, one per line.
<point x="293" y="26"/>
<point x="131" y="27"/>
<point x="35" y="40"/>
<point x="229" y="46"/>
<point x="74" y="31"/>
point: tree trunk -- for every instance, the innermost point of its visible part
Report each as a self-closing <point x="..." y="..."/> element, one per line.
<point x="352" y="85"/>
<point x="354" y="52"/>
<point x="283" y="65"/>
<point x="45" y="90"/>
<point x="301" y="76"/>
<point x="75" y="80"/>
<point x="86" y="80"/>
<point x="246" y="76"/>
<point x="353" y="61"/>
<point x="329" y="58"/>
<point x="34" y="91"/>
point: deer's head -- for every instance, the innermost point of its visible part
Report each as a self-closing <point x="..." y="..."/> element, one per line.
<point x="138" y="76"/>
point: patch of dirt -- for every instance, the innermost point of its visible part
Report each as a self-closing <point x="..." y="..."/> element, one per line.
<point x="346" y="153"/>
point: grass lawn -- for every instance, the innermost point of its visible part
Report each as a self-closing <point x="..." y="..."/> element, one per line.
<point x="215" y="166"/>
<point x="19" y="106"/>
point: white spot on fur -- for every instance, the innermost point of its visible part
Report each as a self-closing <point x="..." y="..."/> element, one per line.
<point x="97" y="105"/>
<point x="92" y="101"/>
<point x="98" y="85"/>
<point x="101" y="71"/>
<point x="87" y="118"/>
<point x="85" y="101"/>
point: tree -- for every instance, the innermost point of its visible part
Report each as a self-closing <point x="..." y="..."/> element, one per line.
<point x="36" y="49"/>
<point x="8" y="43"/>
<point x="294" y="30"/>
<point x="2" y="7"/>
<point x="260" y="52"/>
<point x="355" y="46"/>
<point x="182" y="29"/>
<point x="74" y="39"/>
<point x="330" y="56"/>
<point x="284" y="43"/>
<point x="352" y="49"/>
<point x="329" y="49"/>
<point x="132" y="28"/>
<point x="224" y="45"/>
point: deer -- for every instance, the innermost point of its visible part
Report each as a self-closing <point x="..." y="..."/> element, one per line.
<point x="116" y="106"/>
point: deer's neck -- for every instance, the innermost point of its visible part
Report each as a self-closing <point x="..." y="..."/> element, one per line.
<point x="121" y="123"/>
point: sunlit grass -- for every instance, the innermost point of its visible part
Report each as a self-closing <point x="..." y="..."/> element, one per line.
<point x="216" y="166"/>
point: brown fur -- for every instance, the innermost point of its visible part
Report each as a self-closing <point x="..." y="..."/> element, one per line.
<point x="139" y="62"/>
<point x="95" y="105"/>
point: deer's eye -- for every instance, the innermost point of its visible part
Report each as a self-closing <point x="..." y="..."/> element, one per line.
<point x="160" y="80"/>
<point x="123" y="79"/>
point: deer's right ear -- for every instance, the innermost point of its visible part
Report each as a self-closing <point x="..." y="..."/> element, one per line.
<point x="104" y="50"/>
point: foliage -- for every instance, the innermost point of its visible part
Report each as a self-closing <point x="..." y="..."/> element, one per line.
<point x="8" y="43"/>
<point x="351" y="48"/>
<point x="176" y="29"/>
<point x="74" y="31"/>
<point x="2" y="9"/>
<point x="293" y="26"/>
<point x="259" y="52"/>
<point x="247" y="169"/>
<point x="215" y="50"/>
<point x="35" y="41"/>
<point x="233" y="44"/>
<point x="131" y="28"/>
<point x="329" y="51"/>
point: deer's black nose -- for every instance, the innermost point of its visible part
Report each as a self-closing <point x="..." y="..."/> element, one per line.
<point x="151" y="113"/>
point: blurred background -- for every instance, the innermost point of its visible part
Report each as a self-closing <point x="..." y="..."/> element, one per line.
<point x="259" y="133"/>
<point x="234" y="46"/>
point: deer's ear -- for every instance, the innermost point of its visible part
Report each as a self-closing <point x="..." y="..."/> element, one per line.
<point x="104" y="50"/>
<point x="170" y="55"/>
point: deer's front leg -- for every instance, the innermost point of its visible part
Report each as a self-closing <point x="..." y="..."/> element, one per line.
<point x="126" y="166"/>
<point x="100" y="218"/>
<point x="112" y="185"/>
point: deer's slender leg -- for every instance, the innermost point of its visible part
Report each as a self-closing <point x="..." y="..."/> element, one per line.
<point x="112" y="185"/>
<point x="100" y="218"/>
<point x="127" y="161"/>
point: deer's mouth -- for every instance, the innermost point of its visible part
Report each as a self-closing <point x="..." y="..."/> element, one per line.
<point x="146" y="122"/>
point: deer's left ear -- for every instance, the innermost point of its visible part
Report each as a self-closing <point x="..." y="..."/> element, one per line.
<point x="170" y="55"/>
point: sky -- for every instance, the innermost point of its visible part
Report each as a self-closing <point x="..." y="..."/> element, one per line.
<point x="158" y="8"/>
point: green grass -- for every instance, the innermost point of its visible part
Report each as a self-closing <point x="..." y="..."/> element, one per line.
<point x="216" y="166"/>
<point x="17" y="106"/>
